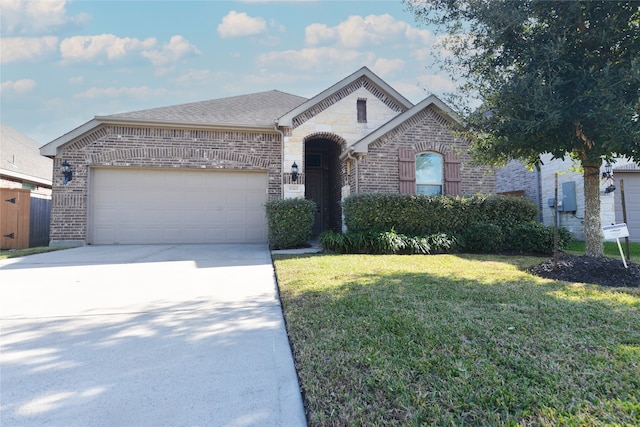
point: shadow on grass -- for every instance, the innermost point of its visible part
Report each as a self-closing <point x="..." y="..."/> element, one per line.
<point x="460" y="340"/>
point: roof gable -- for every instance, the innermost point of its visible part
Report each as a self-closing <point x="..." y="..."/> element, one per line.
<point x="398" y="123"/>
<point x="361" y="78"/>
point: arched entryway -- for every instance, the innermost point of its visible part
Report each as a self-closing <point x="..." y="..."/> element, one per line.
<point x="323" y="180"/>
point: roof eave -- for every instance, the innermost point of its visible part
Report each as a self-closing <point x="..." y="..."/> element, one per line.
<point x="182" y="125"/>
<point x="51" y="149"/>
<point x="24" y="177"/>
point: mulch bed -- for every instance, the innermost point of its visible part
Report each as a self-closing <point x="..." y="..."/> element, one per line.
<point x="592" y="270"/>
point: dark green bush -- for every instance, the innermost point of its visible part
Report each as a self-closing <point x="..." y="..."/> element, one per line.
<point x="389" y="242"/>
<point x="428" y="215"/>
<point x="290" y="222"/>
<point x="538" y="238"/>
<point x="484" y="237"/>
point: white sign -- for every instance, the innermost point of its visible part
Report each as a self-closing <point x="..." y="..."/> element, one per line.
<point x="615" y="231"/>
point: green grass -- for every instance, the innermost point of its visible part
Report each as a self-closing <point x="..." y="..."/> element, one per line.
<point x="458" y="340"/>
<point x="13" y="253"/>
<point x="610" y="249"/>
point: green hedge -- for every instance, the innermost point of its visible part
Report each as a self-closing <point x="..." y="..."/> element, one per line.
<point x="485" y="237"/>
<point x="538" y="238"/>
<point x="290" y="222"/>
<point x="428" y="215"/>
<point x="388" y="242"/>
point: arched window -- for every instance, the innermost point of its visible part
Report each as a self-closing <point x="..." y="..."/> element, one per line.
<point x="429" y="173"/>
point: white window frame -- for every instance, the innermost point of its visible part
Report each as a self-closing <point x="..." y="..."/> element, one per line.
<point x="439" y="184"/>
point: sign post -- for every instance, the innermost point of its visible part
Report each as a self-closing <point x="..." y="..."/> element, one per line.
<point x="616" y="231"/>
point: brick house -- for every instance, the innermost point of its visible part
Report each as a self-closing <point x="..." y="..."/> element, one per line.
<point x="201" y="172"/>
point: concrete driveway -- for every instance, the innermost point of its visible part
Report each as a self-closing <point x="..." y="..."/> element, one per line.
<point x="162" y="335"/>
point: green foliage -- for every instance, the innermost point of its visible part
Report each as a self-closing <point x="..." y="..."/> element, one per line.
<point x="533" y="237"/>
<point x="429" y="215"/>
<point x="558" y="77"/>
<point x="388" y="242"/>
<point x="484" y="237"/>
<point x="290" y="222"/>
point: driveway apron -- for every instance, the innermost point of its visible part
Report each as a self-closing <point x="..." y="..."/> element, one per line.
<point x="161" y="335"/>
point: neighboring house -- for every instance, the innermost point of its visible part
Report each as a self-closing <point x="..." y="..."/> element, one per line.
<point x="25" y="190"/>
<point x="539" y="186"/>
<point x="21" y="165"/>
<point x="201" y="172"/>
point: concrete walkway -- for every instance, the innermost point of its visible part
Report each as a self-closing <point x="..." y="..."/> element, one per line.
<point x="163" y="335"/>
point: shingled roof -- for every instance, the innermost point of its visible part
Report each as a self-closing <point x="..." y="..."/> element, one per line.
<point x="20" y="158"/>
<point x="254" y="110"/>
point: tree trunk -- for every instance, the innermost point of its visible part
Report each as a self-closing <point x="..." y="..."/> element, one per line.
<point x="592" y="222"/>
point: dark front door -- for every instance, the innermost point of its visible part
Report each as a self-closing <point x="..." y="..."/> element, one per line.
<point x="321" y="183"/>
<point x="313" y="190"/>
<point x="317" y="186"/>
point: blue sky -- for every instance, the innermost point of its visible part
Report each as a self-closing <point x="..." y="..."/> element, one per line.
<point x="64" y="62"/>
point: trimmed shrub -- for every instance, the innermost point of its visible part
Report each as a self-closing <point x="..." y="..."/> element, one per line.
<point x="290" y="222"/>
<point x="484" y="237"/>
<point x="388" y="242"/>
<point x="538" y="238"/>
<point x="427" y="215"/>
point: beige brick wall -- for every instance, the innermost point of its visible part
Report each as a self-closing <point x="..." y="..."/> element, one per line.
<point x="339" y="118"/>
<point x="122" y="146"/>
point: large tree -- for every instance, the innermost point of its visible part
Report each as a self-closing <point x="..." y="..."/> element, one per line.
<point x="559" y="77"/>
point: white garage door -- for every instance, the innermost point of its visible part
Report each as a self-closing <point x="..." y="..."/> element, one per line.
<point x="632" y="202"/>
<point x="146" y="206"/>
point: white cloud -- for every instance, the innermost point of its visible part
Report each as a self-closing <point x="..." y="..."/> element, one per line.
<point x="15" y="49"/>
<point x="436" y="83"/>
<point x="77" y="80"/>
<point x="177" y="48"/>
<point x="375" y="30"/>
<point x="386" y="67"/>
<point x="240" y="25"/>
<point x="193" y="76"/>
<point x="141" y="92"/>
<point x="18" y="86"/>
<point x="109" y="46"/>
<point x="314" y="58"/>
<point x="36" y="17"/>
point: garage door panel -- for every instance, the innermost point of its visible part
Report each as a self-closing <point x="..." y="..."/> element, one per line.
<point x="177" y="206"/>
<point x="632" y="202"/>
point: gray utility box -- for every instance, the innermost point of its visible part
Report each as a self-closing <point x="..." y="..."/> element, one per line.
<point x="568" y="202"/>
<point x="569" y="197"/>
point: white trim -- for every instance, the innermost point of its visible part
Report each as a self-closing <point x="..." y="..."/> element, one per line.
<point x="51" y="149"/>
<point x="24" y="177"/>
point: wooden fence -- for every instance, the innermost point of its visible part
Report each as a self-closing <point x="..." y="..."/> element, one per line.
<point x="24" y="220"/>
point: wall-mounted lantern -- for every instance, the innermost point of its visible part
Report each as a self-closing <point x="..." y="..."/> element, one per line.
<point x="607" y="175"/>
<point x="65" y="168"/>
<point x="294" y="172"/>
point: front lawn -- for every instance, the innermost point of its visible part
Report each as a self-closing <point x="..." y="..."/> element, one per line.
<point x="14" y="253"/>
<point x="458" y="340"/>
<point x="610" y="249"/>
